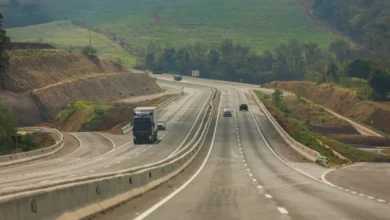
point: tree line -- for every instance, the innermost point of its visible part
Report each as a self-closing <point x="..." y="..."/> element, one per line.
<point x="366" y="21"/>
<point x="294" y="60"/>
<point x="24" y="14"/>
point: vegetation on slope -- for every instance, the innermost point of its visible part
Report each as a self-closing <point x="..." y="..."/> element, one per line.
<point x="88" y="116"/>
<point x="301" y="124"/>
<point x="65" y="35"/>
<point x="263" y="24"/>
<point x="365" y="21"/>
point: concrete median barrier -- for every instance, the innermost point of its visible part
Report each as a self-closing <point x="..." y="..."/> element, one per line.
<point x="81" y="199"/>
<point x="308" y="153"/>
<point x="35" y="154"/>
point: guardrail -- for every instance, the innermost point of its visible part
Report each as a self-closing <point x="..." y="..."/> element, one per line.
<point x="77" y="200"/>
<point x="308" y="153"/>
<point x="127" y="128"/>
<point x="35" y="154"/>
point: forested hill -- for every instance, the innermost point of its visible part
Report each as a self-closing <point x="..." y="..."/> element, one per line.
<point x="366" y="21"/>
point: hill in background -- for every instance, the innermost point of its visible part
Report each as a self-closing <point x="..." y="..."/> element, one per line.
<point x="261" y="24"/>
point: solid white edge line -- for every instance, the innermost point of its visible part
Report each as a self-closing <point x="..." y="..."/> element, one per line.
<point x="272" y="150"/>
<point x="324" y="179"/>
<point x="170" y="196"/>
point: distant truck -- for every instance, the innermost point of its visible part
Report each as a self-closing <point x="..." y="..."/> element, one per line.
<point x="145" y="125"/>
<point x="177" y="77"/>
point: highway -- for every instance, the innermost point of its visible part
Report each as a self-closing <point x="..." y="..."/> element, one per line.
<point x="99" y="153"/>
<point x="244" y="170"/>
<point x="244" y="176"/>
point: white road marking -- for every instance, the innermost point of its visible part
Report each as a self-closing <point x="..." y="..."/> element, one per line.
<point x="128" y="157"/>
<point x="7" y="188"/>
<point x="137" y="154"/>
<point x="353" y="192"/>
<point x="380" y="200"/>
<point x="46" y="181"/>
<point x="250" y="174"/>
<point x="248" y="169"/>
<point x="106" y="166"/>
<point x="91" y="171"/>
<point x="259" y="186"/>
<point x="119" y="162"/>
<point x="361" y="194"/>
<point x="246" y="165"/>
<point x="282" y="210"/>
<point x="170" y="196"/>
<point x="347" y="190"/>
<point x="370" y="197"/>
<point x="268" y="196"/>
<point x="254" y="180"/>
<point x="71" y="176"/>
<point x="272" y="150"/>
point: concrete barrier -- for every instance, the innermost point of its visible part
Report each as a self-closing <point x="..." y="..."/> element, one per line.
<point x="308" y="153"/>
<point x="128" y="127"/>
<point x="35" y="154"/>
<point x="84" y="199"/>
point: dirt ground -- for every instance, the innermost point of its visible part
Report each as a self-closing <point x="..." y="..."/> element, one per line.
<point x="119" y="113"/>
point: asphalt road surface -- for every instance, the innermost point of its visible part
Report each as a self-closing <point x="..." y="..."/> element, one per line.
<point x="103" y="153"/>
<point x="242" y="177"/>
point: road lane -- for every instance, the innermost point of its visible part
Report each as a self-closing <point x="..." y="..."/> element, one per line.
<point x="223" y="188"/>
<point x="181" y="119"/>
<point x="263" y="185"/>
<point x="376" y="174"/>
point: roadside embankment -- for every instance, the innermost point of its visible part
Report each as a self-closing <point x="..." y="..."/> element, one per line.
<point x="40" y="84"/>
<point x="344" y="101"/>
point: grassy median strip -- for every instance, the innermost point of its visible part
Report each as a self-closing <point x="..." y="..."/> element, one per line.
<point x="310" y="125"/>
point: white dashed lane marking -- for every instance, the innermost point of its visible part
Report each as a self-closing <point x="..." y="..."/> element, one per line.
<point x="91" y="171"/>
<point x="282" y="210"/>
<point x="268" y="196"/>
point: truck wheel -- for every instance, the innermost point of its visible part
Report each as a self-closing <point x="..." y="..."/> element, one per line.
<point x="136" y="141"/>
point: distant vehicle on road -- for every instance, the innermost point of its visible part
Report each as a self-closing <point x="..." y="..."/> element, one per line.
<point x="161" y="124"/>
<point x="145" y="124"/>
<point x="227" y="112"/>
<point x="177" y="77"/>
<point x="243" y="107"/>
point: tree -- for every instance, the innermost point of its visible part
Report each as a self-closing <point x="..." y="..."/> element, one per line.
<point x="332" y="72"/>
<point x="4" y="40"/>
<point x="7" y="124"/>
<point x="14" y="3"/>
<point x="379" y="81"/>
<point x="150" y="61"/>
<point x="88" y="50"/>
<point x="360" y="68"/>
<point x="341" y="50"/>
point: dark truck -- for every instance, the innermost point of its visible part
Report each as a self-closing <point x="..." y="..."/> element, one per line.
<point x="177" y="77"/>
<point x="145" y="125"/>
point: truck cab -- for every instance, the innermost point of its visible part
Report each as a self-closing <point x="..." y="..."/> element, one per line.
<point x="145" y="125"/>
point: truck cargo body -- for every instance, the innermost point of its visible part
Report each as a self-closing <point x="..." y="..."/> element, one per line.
<point x="145" y="125"/>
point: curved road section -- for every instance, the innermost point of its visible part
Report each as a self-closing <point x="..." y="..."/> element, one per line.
<point x="247" y="174"/>
<point x="104" y="153"/>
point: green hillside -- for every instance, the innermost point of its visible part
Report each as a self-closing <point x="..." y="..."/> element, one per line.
<point x="65" y="35"/>
<point x="262" y="24"/>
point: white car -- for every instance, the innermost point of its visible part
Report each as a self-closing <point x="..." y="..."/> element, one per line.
<point x="227" y="112"/>
<point x="161" y="124"/>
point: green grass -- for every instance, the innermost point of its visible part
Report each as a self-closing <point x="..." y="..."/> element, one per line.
<point x="63" y="35"/>
<point x="94" y="111"/>
<point x="300" y="132"/>
<point x="262" y="24"/>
